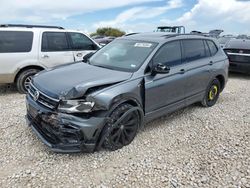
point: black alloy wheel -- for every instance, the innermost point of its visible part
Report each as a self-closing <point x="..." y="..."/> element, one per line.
<point x="121" y="132"/>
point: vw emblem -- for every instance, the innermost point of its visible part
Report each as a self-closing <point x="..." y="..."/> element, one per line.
<point x="241" y="51"/>
<point x="36" y="95"/>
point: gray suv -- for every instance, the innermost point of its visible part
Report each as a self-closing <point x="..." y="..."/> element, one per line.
<point x="104" y="101"/>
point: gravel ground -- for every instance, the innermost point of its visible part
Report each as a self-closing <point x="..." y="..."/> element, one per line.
<point x="194" y="147"/>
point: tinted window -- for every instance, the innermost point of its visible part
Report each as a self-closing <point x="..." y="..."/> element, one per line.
<point x="15" y="41"/>
<point x="207" y="49"/>
<point x="81" y="42"/>
<point x="193" y="49"/>
<point x="169" y="54"/>
<point x="213" y="48"/>
<point x="54" y="41"/>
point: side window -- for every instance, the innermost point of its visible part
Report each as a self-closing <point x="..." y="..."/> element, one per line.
<point x="81" y="42"/>
<point x="54" y="41"/>
<point x="206" y="49"/>
<point x="15" y="41"/>
<point x="193" y="49"/>
<point x="169" y="54"/>
<point x="213" y="48"/>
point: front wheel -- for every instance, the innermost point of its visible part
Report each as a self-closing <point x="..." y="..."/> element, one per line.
<point x="116" y="135"/>
<point x="212" y="93"/>
<point x="24" y="79"/>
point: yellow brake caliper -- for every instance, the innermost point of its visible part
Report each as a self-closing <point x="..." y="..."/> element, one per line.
<point x="213" y="92"/>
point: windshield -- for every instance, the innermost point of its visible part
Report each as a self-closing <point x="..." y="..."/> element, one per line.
<point x="123" y="55"/>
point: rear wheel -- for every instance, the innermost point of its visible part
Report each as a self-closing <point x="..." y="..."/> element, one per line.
<point x="24" y="79"/>
<point x="212" y="93"/>
<point x="118" y="135"/>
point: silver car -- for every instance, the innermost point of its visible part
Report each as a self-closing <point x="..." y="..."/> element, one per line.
<point x="27" y="49"/>
<point x="104" y="101"/>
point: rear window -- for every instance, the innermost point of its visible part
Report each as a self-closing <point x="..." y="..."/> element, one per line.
<point x="54" y="41"/>
<point x="15" y="41"/>
<point x="193" y="49"/>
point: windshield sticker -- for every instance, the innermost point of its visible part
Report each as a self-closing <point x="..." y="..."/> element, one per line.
<point x="143" y="45"/>
<point x="132" y="65"/>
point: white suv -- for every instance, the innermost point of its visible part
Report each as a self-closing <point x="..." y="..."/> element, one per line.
<point x="28" y="49"/>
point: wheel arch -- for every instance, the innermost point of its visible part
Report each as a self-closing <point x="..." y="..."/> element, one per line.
<point x="27" y="68"/>
<point x="129" y="100"/>
<point x="125" y="98"/>
<point x="221" y="79"/>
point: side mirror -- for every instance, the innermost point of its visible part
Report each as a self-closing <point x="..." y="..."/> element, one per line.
<point x="161" y="69"/>
<point x="87" y="56"/>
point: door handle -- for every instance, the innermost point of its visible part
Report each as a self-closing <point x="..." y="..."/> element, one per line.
<point x="45" y="56"/>
<point x="79" y="54"/>
<point x="211" y="63"/>
<point x="182" y="71"/>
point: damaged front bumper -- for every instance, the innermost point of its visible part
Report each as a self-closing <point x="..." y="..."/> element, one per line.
<point x="63" y="132"/>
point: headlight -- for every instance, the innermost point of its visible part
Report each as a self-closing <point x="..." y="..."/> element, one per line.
<point x="75" y="106"/>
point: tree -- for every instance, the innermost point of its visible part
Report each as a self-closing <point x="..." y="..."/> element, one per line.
<point x="108" y="31"/>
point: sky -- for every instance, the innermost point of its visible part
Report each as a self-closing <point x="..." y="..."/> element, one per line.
<point x="233" y="16"/>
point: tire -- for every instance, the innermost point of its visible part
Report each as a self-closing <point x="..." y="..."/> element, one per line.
<point x="23" y="78"/>
<point x="212" y="94"/>
<point x="116" y="136"/>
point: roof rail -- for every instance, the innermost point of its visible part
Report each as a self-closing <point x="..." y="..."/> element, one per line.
<point x="187" y="34"/>
<point x="30" y="26"/>
<point x="129" y="34"/>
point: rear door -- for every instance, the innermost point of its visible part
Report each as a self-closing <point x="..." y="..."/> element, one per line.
<point x="55" y="49"/>
<point x="81" y="45"/>
<point x="197" y="66"/>
<point x="163" y="90"/>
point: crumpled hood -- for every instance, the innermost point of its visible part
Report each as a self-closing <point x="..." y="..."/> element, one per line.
<point x="74" y="80"/>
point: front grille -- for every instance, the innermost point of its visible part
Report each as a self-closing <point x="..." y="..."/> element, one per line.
<point x="42" y="98"/>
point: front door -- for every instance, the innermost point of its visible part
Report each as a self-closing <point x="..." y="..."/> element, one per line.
<point x="162" y="90"/>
